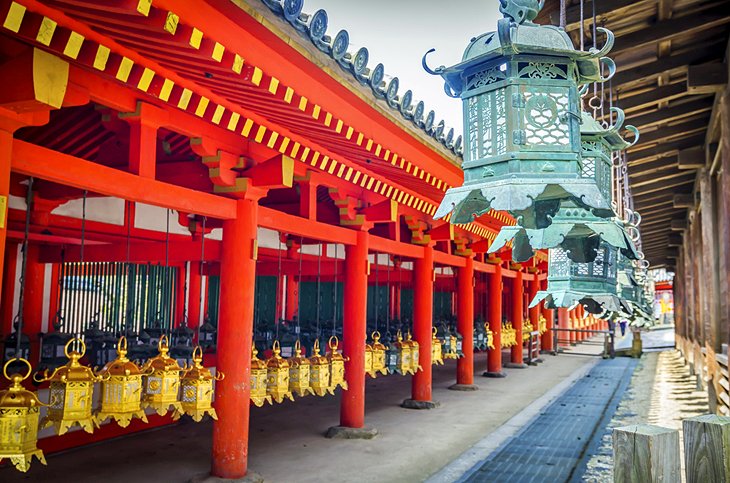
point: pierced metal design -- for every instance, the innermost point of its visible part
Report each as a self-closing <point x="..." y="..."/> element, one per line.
<point x="542" y="70"/>
<point x="484" y="78"/>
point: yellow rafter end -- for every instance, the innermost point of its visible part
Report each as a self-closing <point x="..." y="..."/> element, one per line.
<point x="202" y="106"/>
<point x="237" y="65"/>
<point x="247" y="126"/>
<point x="171" y="23"/>
<point x="166" y="90"/>
<point x="218" y="51"/>
<point x="260" y="134"/>
<point x="46" y="31"/>
<point x="256" y="77"/>
<point x="143" y="7"/>
<point x="272" y="139"/>
<point x="284" y="145"/>
<point x="218" y="114"/>
<point x="14" y="19"/>
<point x="288" y="95"/>
<point x="196" y="38"/>
<point x="125" y="68"/>
<point x="233" y="121"/>
<point x="348" y="134"/>
<point x="145" y="79"/>
<point x="273" y="85"/>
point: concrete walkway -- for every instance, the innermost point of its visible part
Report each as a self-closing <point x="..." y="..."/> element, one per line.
<point x="287" y="443"/>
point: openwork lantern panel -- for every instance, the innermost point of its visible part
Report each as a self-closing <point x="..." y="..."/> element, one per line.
<point x="277" y="376"/>
<point x="257" y="380"/>
<point x="121" y="389"/>
<point x="337" y="365"/>
<point x="319" y="372"/>
<point x="161" y="381"/>
<point x="197" y="389"/>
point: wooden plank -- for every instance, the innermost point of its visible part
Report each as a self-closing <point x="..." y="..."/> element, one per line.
<point x="675" y="111"/>
<point x="707" y="78"/>
<point x="666" y="64"/>
<point x="692" y="158"/>
<point x="682" y="128"/>
<point x="652" y="97"/>
<point x="683" y="201"/>
<point x="572" y="14"/>
<point x="645" y="453"/>
<point x="707" y="448"/>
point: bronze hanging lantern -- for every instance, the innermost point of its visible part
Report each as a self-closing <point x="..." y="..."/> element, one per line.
<point x="299" y="372"/>
<point x="519" y="87"/>
<point x="337" y="365"/>
<point x="437" y="356"/>
<point x="121" y="389"/>
<point x="277" y="376"/>
<point x="197" y="389"/>
<point x="319" y="372"/>
<point x="19" y="415"/>
<point x="404" y="361"/>
<point x="415" y="353"/>
<point x="71" y="392"/>
<point x="258" y="379"/>
<point x="490" y="336"/>
<point x="161" y="380"/>
<point x="379" y="364"/>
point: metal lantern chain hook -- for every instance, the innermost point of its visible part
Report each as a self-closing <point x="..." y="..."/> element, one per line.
<point x="23" y="266"/>
<point x="279" y="289"/>
<point x="334" y="296"/>
<point x="202" y="262"/>
<point x="299" y="287"/>
<point x="377" y="287"/>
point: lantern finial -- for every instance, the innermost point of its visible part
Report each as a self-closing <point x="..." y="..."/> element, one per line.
<point x="520" y="11"/>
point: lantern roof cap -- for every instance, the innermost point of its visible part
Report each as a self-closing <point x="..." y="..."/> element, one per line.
<point x="610" y="134"/>
<point x="276" y="361"/>
<point x="197" y="371"/>
<point x="121" y="366"/>
<point x="73" y="370"/>
<point x="16" y="396"/>
<point x="162" y="361"/>
<point x="256" y="363"/>
<point x="595" y="303"/>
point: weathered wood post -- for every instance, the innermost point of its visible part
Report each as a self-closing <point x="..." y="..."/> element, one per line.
<point x="645" y="453"/>
<point x="707" y="448"/>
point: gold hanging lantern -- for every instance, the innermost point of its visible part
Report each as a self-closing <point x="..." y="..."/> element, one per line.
<point x="404" y="364"/>
<point x="509" y="335"/>
<point x="71" y="391"/>
<point x="527" y="328"/>
<point x="415" y="356"/>
<point x="379" y="364"/>
<point x="369" y="359"/>
<point x="319" y="372"/>
<point x="161" y="380"/>
<point x="542" y="325"/>
<point x="258" y="380"/>
<point x="299" y="372"/>
<point x="196" y="389"/>
<point x="277" y="376"/>
<point x="121" y="389"/>
<point x="337" y="365"/>
<point x="490" y="336"/>
<point x="436" y="349"/>
<point x="19" y="414"/>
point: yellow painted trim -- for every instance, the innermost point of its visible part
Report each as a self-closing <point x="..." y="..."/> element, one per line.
<point x="370" y="183"/>
<point x="323" y="164"/>
<point x="328" y="119"/>
<point x="145" y="79"/>
<point x="14" y="19"/>
<point x="73" y="45"/>
<point x="272" y="139"/>
<point x="284" y="145"/>
<point x="315" y="111"/>
<point x="46" y="31"/>
<point x="364" y="180"/>
<point x="233" y="121"/>
<point x="166" y="90"/>
<point x="273" y="85"/>
<point x="256" y="77"/>
<point x="378" y="148"/>
<point x="305" y="153"/>
<point x="377" y="186"/>
<point x="218" y="51"/>
<point x="185" y="99"/>
<point x="125" y="68"/>
<point x="369" y="145"/>
<point x="247" y="127"/>
<point x="357" y="177"/>
<point x="260" y="134"/>
<point x="349" y="133"/>
<point x="288" y="95"/>
<point x="341" y="170"/>
<point x="302" y="103"/>
<point x="295" y="150"/>
<point x="315" y="158"/>
<point x="237" y="65"/>
<point x="360" y="137"/>
<point x="332" y="167"/>
<point x="338" y="127"/>
<point x="348" y="174"/>
<point x="171" y="23"/>
<point x="390" y="190"/>
<point x="218" y="114"/>
<point x="143" y="7"/>
<point x="196" y="37"/>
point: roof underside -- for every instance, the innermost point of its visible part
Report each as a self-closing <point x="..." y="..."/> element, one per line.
<point x="656" y="43"/>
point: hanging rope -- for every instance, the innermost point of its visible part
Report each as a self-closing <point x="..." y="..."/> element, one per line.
<point x="319" y="283"/>
<point x="277" y="300"/>
<point x="377" y="290"/>
<point x="167" y="258"/>
<point x="334" y="296"/>
<point x="563" y="16"/>
<point x="582" y="33"/>
<point x="83" y="224"/>
<point x="299" y="288"/>
<point x="387" y="312"/>
<point x="128" y="312"/>
<point x="200" y="269"/>
<point x="23" y="265"/>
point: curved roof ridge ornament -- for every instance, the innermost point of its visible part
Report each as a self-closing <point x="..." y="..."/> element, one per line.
<point x="521" y="11"/>
<point x="314" y="27"/>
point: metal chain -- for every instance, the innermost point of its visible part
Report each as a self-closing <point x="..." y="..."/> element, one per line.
<point x="334" y="295"/>
<point x="563" y="15"/>
<point x="377" y="289"/>
<point x="319" y="283"/>
<point x="23" y="266"/>
<point x="202" y="262"/>
<point x="387" y="312"/>
<point x="299" y="288"/>
<point x="279" y="295"/>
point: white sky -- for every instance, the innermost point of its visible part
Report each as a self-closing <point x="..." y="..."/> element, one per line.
<point x="398" y="33"/>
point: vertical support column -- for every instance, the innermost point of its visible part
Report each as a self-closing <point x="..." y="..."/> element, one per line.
<point x="723" y="215"/>
<point x="235" y="334"/>
<point x="563" y="323"/>
<point x="423" y="281"/>
<point x="352" y="404"/>
<point x="546" y="341"/>
<point x="534" y="312"/>
<point x="7" y="291"/>
<point x="518" y="300"/>
<point x="494" y="316"/>
<point x="465" y="326"/>
<point x="6" y="148"/>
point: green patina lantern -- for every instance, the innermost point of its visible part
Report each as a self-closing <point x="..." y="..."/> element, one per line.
<point x="574" y="227"/>
<point x="519" y="87"/>
<point x="591" y="284"/>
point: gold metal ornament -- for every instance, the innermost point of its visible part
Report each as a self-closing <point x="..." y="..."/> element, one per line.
<point x="379" y="364"/>
<point x="299" y="372"/>
<point x="542" y="325"/>
<point x="71" y="391"/>
<point x="509" y="335"/>
<point x="196" y="389"/>
<point x="161" y="380"/>
<point x="415" y="356"/>
<point x="277" y="376"/>
<point x="369" y="359"/>
<point x="526" y="329"/>
<point x="337" y="365"/>
<point x="437" y="356"/>
<point x="121" y="389"/>
<point x="319" y="372"/>
<point x="258" y="380"/>
<point x="490" y="336"/>
<point x="19" y="415"/>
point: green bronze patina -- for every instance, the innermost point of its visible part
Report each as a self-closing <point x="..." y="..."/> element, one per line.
<point x="574" y="227"/>
<point x="593" y="284"/>
<point x="519" y="87"/>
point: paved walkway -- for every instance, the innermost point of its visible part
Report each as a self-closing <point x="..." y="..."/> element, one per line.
<point x="553" y="447"/>
<point x="287" y="443"/>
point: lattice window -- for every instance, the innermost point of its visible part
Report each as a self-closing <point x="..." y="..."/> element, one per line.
<point x="500" y="137"/>
<point x="473" y="127"/>
<point x="487" y="113"/>
<point x="589" y="168"/>
<point x="546" y="119"/>
<point x="559" y="263"/>
<point x="484" y="78"/>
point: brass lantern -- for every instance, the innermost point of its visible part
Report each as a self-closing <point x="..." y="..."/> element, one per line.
<point x="369" y="359"/>
<point x="71" y="391"/>
<point x="19" y="413"/>
<point x="379" y="364"/>
<point x="404" y="363"/>
<point x="337" y="365"/>
<point x="121" y="389"/>
<point x="277" y="376"/>
<point x="258" y="379"/>
<point x="526" y="329"/>
<point x="161" y="380"/>
<point x="196" y="389"/>
<point x="542" y="325"/>
<point x="299" y="372"/>
<point x="490" y="336"/>
<point x="415" y="355"/>
<point x="319" y="372"/>
<point x="436" y="352"/>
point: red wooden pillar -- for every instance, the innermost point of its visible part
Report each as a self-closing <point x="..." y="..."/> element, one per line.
<point x="563" y="323"/>
<point x="6" y="148"/>
<point x="465" y="325"/>
<point x="33" y="300"/>
<point x="7" y="292"/>
<point x="517" y="359"/>
<point x="352" y="403"/>
<point x="572" y="325"/>
<point x="423" y="281"/>
<point x="180" y="296"/>
<point x="494" y="357"/>
<point x="534" y="312"/>
<point x="546" y="341"/>
<point x="194" y="295"/>
<point x="235" y="333"/>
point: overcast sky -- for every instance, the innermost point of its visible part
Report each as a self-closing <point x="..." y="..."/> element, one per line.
<point x="398" y="33"/>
